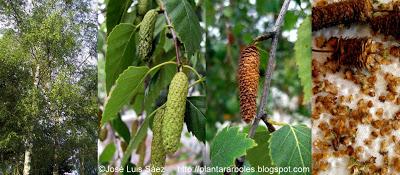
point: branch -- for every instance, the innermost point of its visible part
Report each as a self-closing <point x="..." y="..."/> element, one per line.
<point x="263" y="37"/>
<point x="174" y="36"/>
<point x="270" y="68"/>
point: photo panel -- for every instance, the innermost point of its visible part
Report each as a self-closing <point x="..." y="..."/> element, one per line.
<point x="258" y="57"/>
<point x="48" y="87"/>
<point x="356" y="76"/>
<point x="151" y="86"/>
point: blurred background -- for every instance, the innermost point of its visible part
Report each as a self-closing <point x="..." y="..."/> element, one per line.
<point x="232" y="25"/>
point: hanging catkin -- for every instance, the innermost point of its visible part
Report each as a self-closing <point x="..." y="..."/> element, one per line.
<point x="344" y="12"/>
<point x="157" y="146"/>
<point x="143" y="7"/>
<point x="387" y="24"/>
<point x="146" y="35"/>
<point x="248" y="76"/>
<point x="175" y="112"/>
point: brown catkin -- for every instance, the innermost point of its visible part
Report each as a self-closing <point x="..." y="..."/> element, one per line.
<point x="248" y="76"/>
<point x="352" y="52"/>
<point x="387" y="24"/>
<point x="344" y="12"/>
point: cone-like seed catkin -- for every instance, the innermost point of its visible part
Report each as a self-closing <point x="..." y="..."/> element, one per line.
<point x="174" y="112"/>
<point x="143" y="6"/>
<point x="146" y="35"/>
<point x="248" y="76"/>
<point x="345" y="12"/>
<point x="352" y="52"/>
<point x="157" y="147"/>
<point x="388" y="24"/>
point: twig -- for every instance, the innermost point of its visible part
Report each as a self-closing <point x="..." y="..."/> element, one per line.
<point x="327" y="51"/>
<point x="263" y="37"/>
<point x="270" y="126"/>
<point x="270" y="68"/>
<point x="174" y="37"/>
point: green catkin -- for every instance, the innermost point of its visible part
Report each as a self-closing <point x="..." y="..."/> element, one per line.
<point x="146" y="35"/>
<point x="143" y="7"/>
<point x="174" y="112"/>
<point x="157" y="148"/>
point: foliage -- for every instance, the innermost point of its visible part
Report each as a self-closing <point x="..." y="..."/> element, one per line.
<point x="302" y="55"/>
<point x="195" y="118"/>
<point x="13" y="80"/>
<point x="44" y="48"/>
<point x="294" y="141"/>
<point x="260" y="155"/>
<point x="186" y="24"/>
<point x="224" y="151"/>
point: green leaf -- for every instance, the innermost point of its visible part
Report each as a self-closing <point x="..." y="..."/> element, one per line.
<point x="115" y="11"/>
<point x="121" y="129"/>
<point x="137" y="102"/>
<point x="194" y="116"/>
<point x="126" y="86"/>
<point x="185" y="23"/>
<point x="129" y="17"/>
<point x="134" y="142"/>
<point x="302" y="54"/>
<point x="265" y="6"/>
<point x="107" y="154"/>
<point x="209" y="12"/>
<point x="159" y="81"/>
<point x="228" y="145"/>
<point x="259" y="156"/>
<point x="291" y="146"/>
<point x="120" y="52"/>
<point x="290" y="20"/>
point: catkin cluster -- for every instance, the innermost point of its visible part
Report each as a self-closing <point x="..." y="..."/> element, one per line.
<point x="168" y="121"/>
<point x="248" y="76"/>
<point x="157" y="148"/>
<point x="387" y="24"/>
<point x="146" y="35"/>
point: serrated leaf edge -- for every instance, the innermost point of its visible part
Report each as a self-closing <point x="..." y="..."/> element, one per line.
<point x="125" y="47"/>
<point x="270" y="150"/>
<point x="116" y="81"/>
<point x="237" y="132"/>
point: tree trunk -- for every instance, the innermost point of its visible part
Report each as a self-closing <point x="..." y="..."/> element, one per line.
<point x="27" y="161"/>
<point x="82" y="166"/>
<point x="55" y="165"/>
<point x="55" y="156"/>
<point x="28" y="142"/>
<point x="28" y="150"/>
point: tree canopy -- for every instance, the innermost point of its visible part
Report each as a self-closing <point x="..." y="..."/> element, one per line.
<point x="48" y="86"/>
